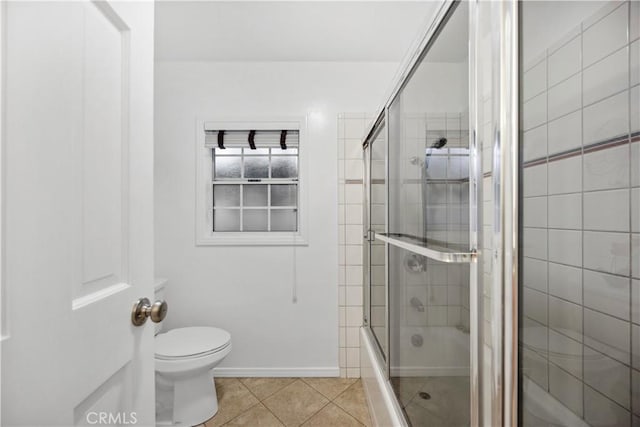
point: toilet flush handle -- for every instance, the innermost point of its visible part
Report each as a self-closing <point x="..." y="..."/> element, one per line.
<point x="143" y="309"/>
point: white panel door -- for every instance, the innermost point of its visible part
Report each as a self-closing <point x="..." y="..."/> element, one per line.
<point x="78" y="221"/>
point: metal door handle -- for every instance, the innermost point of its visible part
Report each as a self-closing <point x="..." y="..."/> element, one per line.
<point x="143" y="309"/>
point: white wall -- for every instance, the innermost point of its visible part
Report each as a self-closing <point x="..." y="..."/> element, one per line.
<point x="248" y="290"/>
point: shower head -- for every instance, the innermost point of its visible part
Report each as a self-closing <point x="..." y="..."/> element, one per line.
<point x="439" y="143"/>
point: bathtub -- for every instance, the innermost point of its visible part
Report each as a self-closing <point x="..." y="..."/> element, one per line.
<point x="448" y="355"/>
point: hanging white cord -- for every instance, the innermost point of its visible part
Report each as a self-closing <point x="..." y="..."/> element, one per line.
<point x="294" y="286"/>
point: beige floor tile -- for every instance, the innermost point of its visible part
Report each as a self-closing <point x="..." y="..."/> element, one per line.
<point x="332" y="416"/>
<point x="258" y="416"/>
<point x="330" y="387"/>
<point x="354" y="402"/>
<point x="265" y="387"/>
<point x="233" y="399"/>
<point x="295" y="403"/>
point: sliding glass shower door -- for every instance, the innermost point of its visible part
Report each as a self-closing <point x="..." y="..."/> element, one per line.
<point x="580" y="207"/>
<point x="427" y="235"/>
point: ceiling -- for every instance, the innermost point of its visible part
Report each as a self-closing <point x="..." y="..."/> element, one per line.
<point x="288" y="30"/>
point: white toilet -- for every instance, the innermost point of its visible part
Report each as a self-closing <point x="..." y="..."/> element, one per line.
<point x="184" y="359"/>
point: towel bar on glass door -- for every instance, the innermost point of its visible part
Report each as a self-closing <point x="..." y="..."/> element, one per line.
<point x="428" y="248"/>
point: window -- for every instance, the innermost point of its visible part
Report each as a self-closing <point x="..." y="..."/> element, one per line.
<point x="249" y="173"/>
<point x="255" y="189"/>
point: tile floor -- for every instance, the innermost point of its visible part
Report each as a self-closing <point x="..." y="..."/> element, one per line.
<point x="319" y="402"/>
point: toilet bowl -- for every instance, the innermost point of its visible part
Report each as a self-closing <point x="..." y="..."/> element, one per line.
<point x="184" y="359"/>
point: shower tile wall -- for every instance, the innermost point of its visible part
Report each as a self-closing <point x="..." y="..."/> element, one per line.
<point x="581" y="218"/>
<point x="441" y="288"/>
<point x="350" y="190"/>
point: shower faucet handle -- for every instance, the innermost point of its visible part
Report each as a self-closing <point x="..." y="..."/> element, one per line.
<point x="142" y="309"/>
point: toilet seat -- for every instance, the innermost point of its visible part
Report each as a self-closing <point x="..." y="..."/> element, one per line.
<point x="191" y="342"/>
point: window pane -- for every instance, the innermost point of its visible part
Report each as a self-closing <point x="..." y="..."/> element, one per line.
<point x="227" y="167"/>
<point x="226" y="220"/>
<point x="226" y="195"/>
<point x="279" y="151"/>
<point x="257" y="151"/>
<point x="254" y="220"/>
<point x="284" y="167"/>
<point x="256" y="167"/>
<point x="255" y="195"/>
<point x="227" y="151"/>
<point x="284" y="220"/>
<point x="284" y="195"/>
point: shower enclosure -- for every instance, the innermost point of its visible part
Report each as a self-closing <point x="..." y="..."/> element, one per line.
<point x="502" y="254"/>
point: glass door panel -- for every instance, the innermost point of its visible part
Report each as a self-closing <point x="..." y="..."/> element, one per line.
<point x="377" y="224"/>
<point x="580" y="241"/>
<point x="429" y="223"/>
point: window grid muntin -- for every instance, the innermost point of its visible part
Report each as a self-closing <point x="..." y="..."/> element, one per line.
<point x="268" y="182"/>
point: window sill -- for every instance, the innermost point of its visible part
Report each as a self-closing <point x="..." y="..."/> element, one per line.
<point x="252" y="239"/>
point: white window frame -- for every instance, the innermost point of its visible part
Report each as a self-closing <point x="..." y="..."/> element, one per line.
<point x="204" y="234"/>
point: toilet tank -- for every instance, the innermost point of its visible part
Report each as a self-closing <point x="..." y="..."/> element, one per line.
<point x="159" y="287"/>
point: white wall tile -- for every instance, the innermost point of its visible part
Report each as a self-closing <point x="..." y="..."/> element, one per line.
<point x="534" y="242"/>
<point x="535" y="181"/>
<point x="565" y="133"/>
<point x="606" y="119"/>
<point x="353" y="316"/>
<point x="608" y="376"/>
<point x="565" y="247"/>
<point x="566" y="353"/>
<point x="565" y="62"/>
<point x="535" y="212"/>
<point x="535" y="305"/>
<point x="635" y="255"/>
<point x="634" y="29"/>
<point x="353" y="214"/>
<point x="565" y="176"/>
<point x="566" y="318"/>
<point x="566" y="388"/>
<point x="565" y="282"/>
<point x="634" y="124"/>
<point x="353" y="193"/>
<point x="354" y="128"/>
<point x="635" y="301"/>
<point x="607" y="293"/>
<point x="353" y="149"/>
<point x="565" y="211"/>
<point x="353" y="295"/>
<point x="606" y="77"/>
<point x="607" y="252"/>
<point x="607" y="335"/>
<point x="607" y="169"/>
<point x="354" y="234"/>
<point x="606" y="36"/>
<point x="534" y="274"/>
<point x="535" y="80"/>
<point x="601" y="411"/>
<point x="353" y="169"/>
<point x="634" y="58"/>
<point x="635" y="210"/>
<point x="606" y="210"/>
<point x="535" y="367"/>
<point x="635" y="161"/>
<point x="534" y="143"/>
<point x="535" y="111"/>
<point x="354" y="275"/>
<point x="565" y="97"/>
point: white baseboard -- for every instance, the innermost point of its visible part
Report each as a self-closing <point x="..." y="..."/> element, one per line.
<point x="276" y="372"/>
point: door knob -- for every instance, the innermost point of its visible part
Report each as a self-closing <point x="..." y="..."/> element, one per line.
<point x="143" y="309"/>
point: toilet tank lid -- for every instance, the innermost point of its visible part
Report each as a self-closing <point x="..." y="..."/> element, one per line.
<point x="159" y="283"/>
<point x="182" y="342"/>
